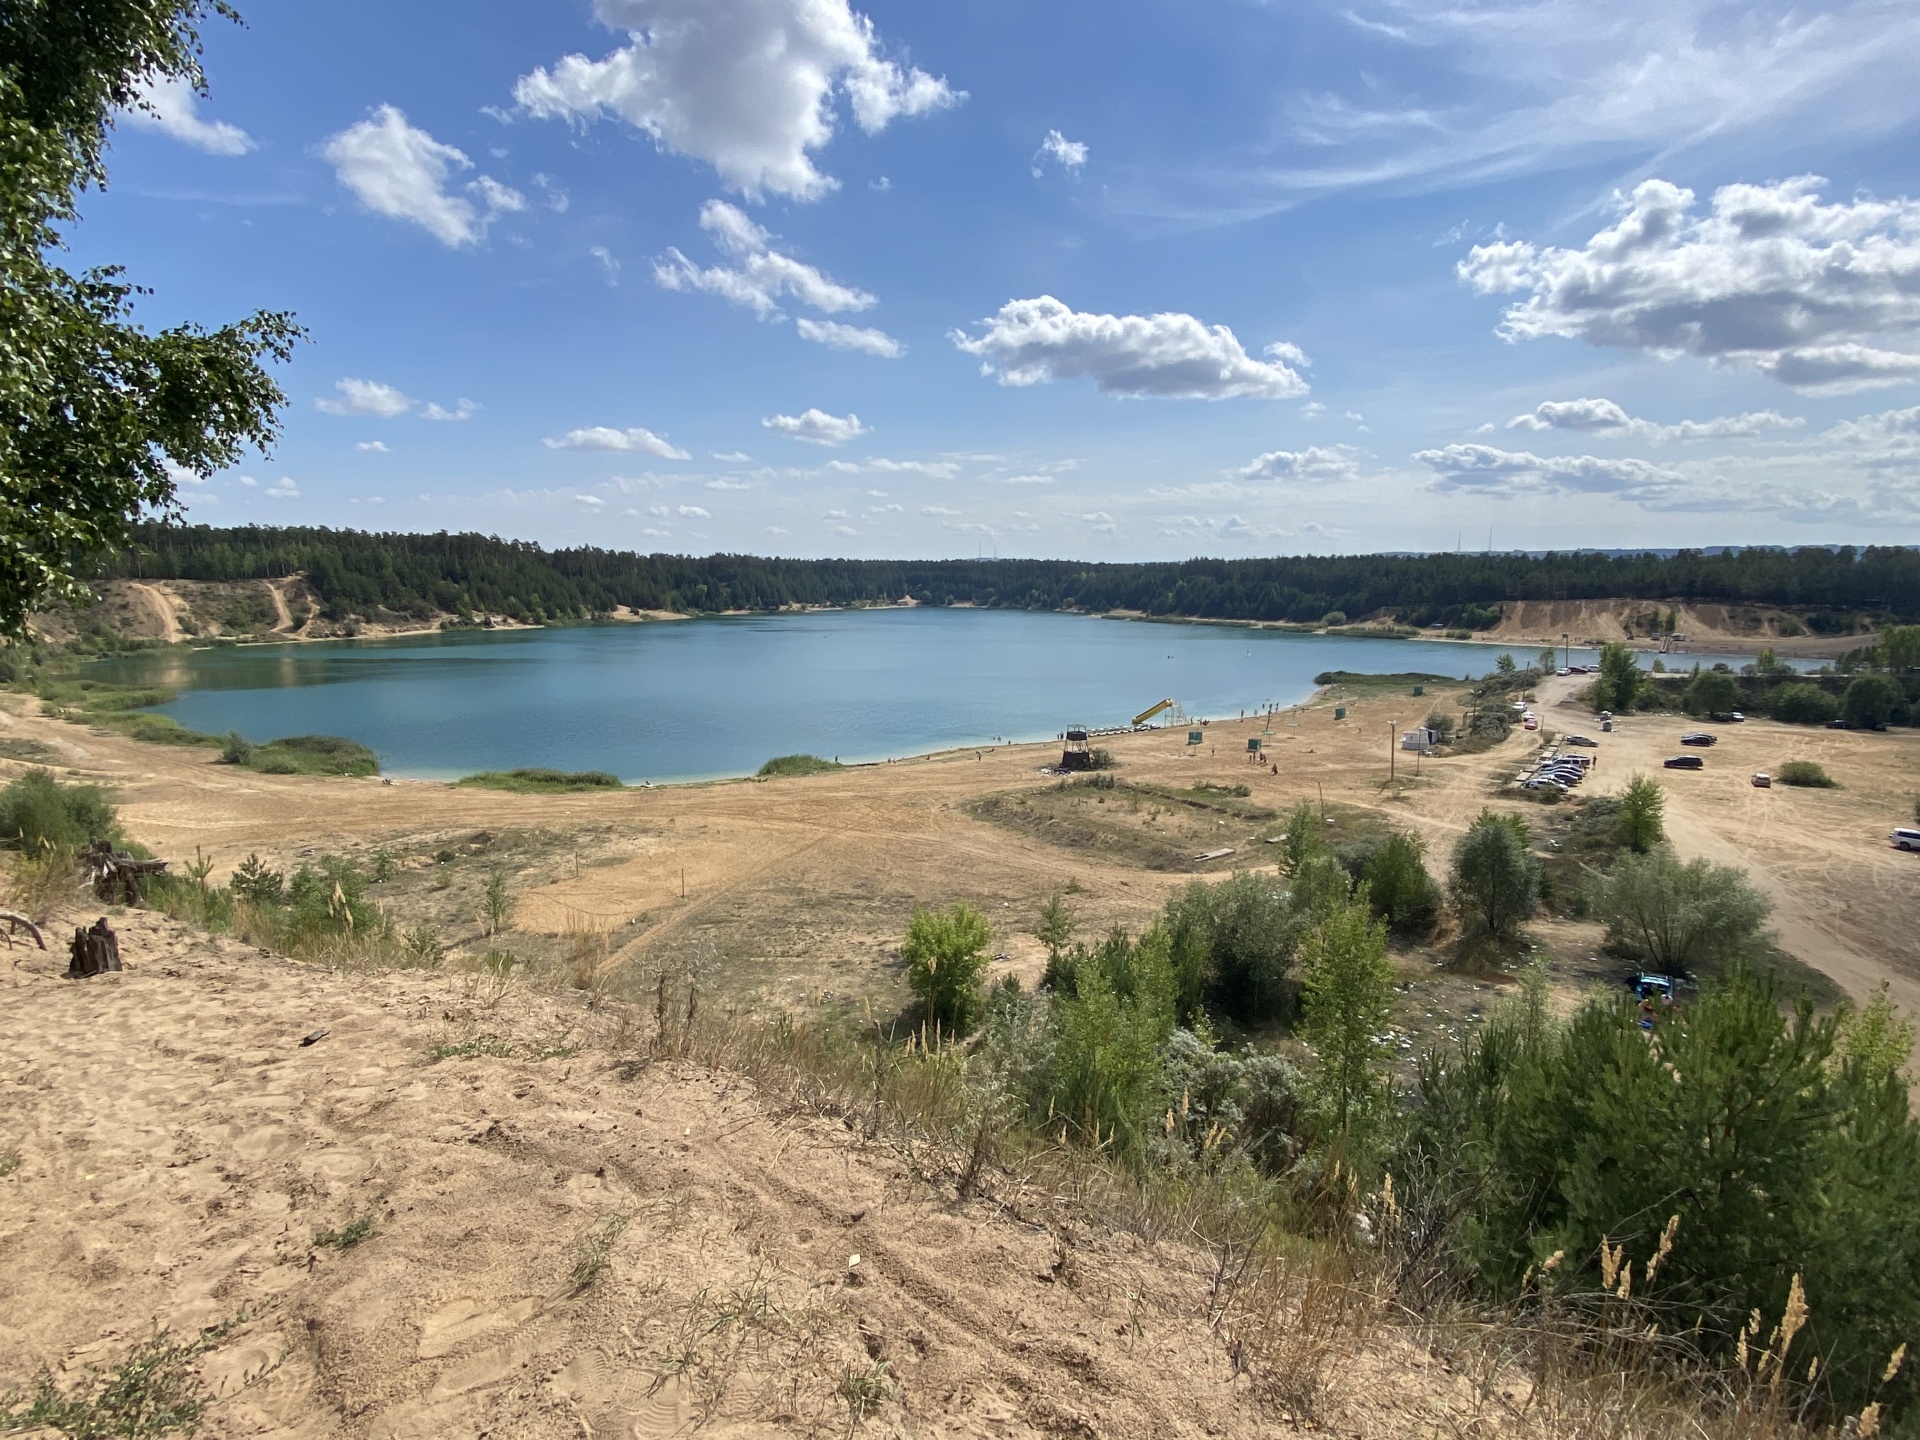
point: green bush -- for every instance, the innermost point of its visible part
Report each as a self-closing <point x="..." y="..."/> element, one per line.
<point x="1232" y="943"/>
<point x="1783" y="1142"/>
<point x="1346" y="1002"/>
<point x="785" y="765"/>
<point x="1678" y="918"/>
<point x="542" y="782"/>
<point x="1400" y="889"/>
<point x="39" y="812"/>
<point x="314" y="755"/>
<point x="1807" y="773"/>
<point x="946" y="956"/>
<point x="1639" y="822"/>
<point x="237" y="751"/>
<point x="1711" y="692"/>
<point x="1802" y="704"/>
<point x="1871" y="701"/>
<point x="253" y="881"/>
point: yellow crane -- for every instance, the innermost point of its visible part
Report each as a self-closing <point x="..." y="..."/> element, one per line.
<point x="1151" y="711"/>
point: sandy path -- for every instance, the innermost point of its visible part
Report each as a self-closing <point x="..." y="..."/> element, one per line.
<point x="163" y="610"/>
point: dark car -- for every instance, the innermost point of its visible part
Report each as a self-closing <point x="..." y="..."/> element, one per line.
<point x="1580" y="740"/>
<point x="1684" y="762"/>
<point x="1839" y="725"/>
<point x="1699" y="737"/>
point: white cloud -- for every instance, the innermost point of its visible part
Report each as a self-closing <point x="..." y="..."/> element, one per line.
<point x="365" y="397"/>
<point x="168" y="104"/>
<point x="1604" y="417"/>
<point x="1069" y="155"/>
<point x="609" y="267"/>
<point x="835" y="336"/>
<point x="465" y="409"/>
<point x="399" y="170"/>
<point x="375" y="447"/>
<point x="592" y="502"/>
<point x="845" y="530"/>
<point x="1807" y="293"/>
<point x="932" y="469"/>
<point x="247" y="480"/>
<point x="886" y="510"/>
<point x="692" y="512"/>
<point x="727" y="485"/>
<point x="816" y="427"/>
<point x="283" y="489"/>
<point x="1167" y="356"/>
<point x="937" y="510"/>
<point x="1316" y="463"/>
<point x="1484" y="469"/>
<point x="761" y="274"/>
<point x="732" y="457"/>
<point x="747" y="86"/>
<point x="1887" y="425"/>
<point x="638" y="439"/>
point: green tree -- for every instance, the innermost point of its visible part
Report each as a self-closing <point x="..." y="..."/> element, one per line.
<point x="1678" y="918"/>
<point x="946" y="955"/>
<point x="97" y="416"/>
<point x="1899" y="648"/>
<point x="1402" y="892"/>
<point x="1804" y="704"/>
<point x="1711" y="692"/>
<point x="1055" y="930"/>
<point x="1102" y="1076"/>
<point x="1618" y="687"/>
<point x="1320" y="886"/>
<point x="1305" y="835"/>
<point x="1495" y="879"/>
<point x="1233" y="942"/>
<point x="1549" y="661"/>
<point x="1870" y="701"/>
<point x="1505" y="664"/>
<point x="1345" y="1002"/>
<point x="496" y="905"/>
<point x="1643" y="808"/>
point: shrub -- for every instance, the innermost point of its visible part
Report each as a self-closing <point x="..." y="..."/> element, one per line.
<point x="1711" y="692"/>
<point x="1305" y="835"/>
<point x="1495" y="881"/>
<point x="1621" y="680"/>
<point x="1803" y="704"/>
<point x="1678" y="918"/>
<point x="1233" y="942"/>
<point x="946" y="955"/>
<point x="254" y="881"/>
<point x="314" y="755"/>
<point x="1806" y="773"/>
<point x="1101" y="758"/>
<point x="237" y="751"/>
<point x="1346" y="985"/>
<point x="39" y="812"/>
<point x="1400" y="889"/>
<point x="1334" y="617"/>
<point x="784" y="765"/>
<point x="537" y="781"/>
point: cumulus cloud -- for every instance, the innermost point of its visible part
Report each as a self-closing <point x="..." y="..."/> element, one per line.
<point x="1604" y="417"/>
<point x="760" y="274"/>
<point x="168" y="104"/>
<point x="932" y="469"/>
<point x="283" y="489"/>
<point x="396" y="169"/>
<point x="692" y="512"/>
<point x="372" y="447"/>
<point x="1316" y="463"/>
<point x="749" y="87"/>
<point x="636" y="440"/>
<point x="732" y="457"/>
<point x="816" y="427"/>
<point x="365" y="397"/>
<point x="1056" y="149"/>
<point x="1485" y="469"/>
<point x="835" y="336"/>
<point x="464" y="409"/>
<point x="1811" y="294"/>
<point x="1167" y="356"/>
<point x="1887" y="425"/>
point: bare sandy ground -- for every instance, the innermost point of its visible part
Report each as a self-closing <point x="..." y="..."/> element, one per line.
<point x="558" y="1237"/>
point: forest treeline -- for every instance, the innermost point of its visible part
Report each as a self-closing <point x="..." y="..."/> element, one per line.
<point x="354" y="572"/>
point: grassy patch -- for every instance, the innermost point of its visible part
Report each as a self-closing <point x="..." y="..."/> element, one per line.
<point x="16" y="748"/>
<point x="9" y="1162"/>
<point x="1402" y="680"/>
<point x="312" y="755"/>
<point x="784" y="765"/>
<point x="155" y="1390"/>
<point x="541" y="782"/>
<point x="347" y="1236"/>
<point x="594" y="1253"/>
<point x="158" y="730"/>
<point x="1806" y="773"/>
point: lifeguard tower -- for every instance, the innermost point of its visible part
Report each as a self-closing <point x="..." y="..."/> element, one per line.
<point x="1076" y="755"/>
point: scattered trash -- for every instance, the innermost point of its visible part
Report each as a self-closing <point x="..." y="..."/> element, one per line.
<point x="314" y="1038"/>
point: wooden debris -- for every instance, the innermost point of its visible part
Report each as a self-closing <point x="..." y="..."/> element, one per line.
<point x="95" y="951"/>
<point x="114" y="871"/>
<point x="16" y="922"/>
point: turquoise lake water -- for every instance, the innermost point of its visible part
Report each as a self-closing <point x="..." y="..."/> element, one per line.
<point x="694" y="699"/>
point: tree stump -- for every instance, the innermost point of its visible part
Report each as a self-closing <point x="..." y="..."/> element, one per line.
<point x="95" y="951"/>
<point x="115" y="871"/>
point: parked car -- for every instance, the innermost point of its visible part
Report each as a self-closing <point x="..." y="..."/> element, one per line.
<point x="1581" y="740"/>
<point x="1737" y="718"/>
<point x="1699" y="737"/>
<point x="1684" y="762"/>
<point x="1839" y="725"/>
<point x="1904" y="838"/>
<point x="1763" y="781"/>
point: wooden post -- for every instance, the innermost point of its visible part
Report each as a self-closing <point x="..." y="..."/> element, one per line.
<point x="95" y="951"/>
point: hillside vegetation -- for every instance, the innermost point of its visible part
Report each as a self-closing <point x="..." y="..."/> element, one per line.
<point x="353" y="573"/>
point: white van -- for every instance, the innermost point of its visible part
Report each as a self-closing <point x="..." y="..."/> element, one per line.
<point x="1904" y="838"/>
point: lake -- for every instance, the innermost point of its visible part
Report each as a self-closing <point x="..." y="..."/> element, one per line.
<point x="695" y="699"/>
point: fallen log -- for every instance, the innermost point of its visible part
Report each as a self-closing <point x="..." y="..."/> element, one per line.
<point x="113" y="871"/>
<point x="96" y="951"/>
<point x="16" y="922"/>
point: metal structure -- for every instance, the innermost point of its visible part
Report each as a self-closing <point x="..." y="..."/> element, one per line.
<point x="1076" y="755"/>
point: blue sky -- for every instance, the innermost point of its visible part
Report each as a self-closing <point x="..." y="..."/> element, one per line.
<point x="1134" y="279"/>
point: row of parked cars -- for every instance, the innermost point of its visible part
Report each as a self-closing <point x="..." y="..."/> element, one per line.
<point x="1556" y="771"/>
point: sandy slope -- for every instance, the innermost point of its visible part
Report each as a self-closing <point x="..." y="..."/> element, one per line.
<point x="179" y="1149"/>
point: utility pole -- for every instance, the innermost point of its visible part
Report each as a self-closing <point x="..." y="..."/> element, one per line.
<point x="1566" y="658"/>
<point x="1393" y="755"/>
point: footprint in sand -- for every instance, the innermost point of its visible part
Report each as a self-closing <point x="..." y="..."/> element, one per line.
<point x="613" y="1400"/>
<point x="453" y="1324"/>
